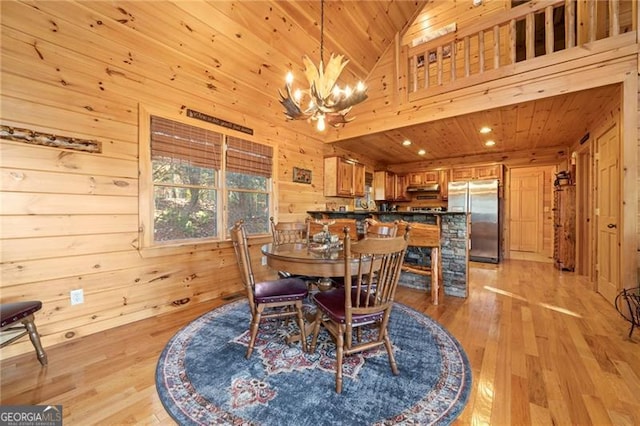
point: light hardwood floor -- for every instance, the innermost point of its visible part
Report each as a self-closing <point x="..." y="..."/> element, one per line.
<point x="544" y="349"/>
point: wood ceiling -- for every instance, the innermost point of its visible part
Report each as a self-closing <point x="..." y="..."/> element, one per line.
<point x="555" y="122"/>
<point x="238" y="52"/>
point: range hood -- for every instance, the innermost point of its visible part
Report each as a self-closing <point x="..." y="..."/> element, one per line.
<point x="433" y="187"/>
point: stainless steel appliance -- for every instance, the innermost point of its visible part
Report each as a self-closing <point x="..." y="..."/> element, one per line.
<point x="480" y="199"/>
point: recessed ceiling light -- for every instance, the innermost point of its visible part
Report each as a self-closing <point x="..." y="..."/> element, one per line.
<point x="406" y="142"/>
<point x="489" y="143"/>
<point x="422" y="152"/>
<point x="485" y="129"/>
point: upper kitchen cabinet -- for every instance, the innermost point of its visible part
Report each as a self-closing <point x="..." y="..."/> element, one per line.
<point x="401" y="188"/>
<point x="444" y="184"/>
<point x="493" y="171"/>
<point x="424" y="178"/>
<point x="343" y="178"/>
<point x="388" y="186"/>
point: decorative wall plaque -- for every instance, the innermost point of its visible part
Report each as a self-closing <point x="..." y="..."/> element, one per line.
<point x="46" y="139"/>
<point x="301" y="175"/>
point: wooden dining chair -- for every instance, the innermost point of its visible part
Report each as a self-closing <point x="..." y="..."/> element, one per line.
<point x="377" y="229"/>
<point x="344" y="311"/>
<point x="288" y="232"/>
<point x="281" y="298"/>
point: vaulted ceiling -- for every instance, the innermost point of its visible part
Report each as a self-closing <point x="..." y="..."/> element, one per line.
<point x="240" y="51"/>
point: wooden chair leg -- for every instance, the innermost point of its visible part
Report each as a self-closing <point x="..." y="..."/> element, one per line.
<point x="35" y="338"/>
<point x="392" y="358"/>
<point x="316" y="329"/>
<point x="254" y="331"/>
<point x="339" y="356"/>
<point x="303" y="337"/>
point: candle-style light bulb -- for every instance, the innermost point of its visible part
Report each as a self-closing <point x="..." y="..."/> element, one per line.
<point x="289" y="78"/>
<point x="321" y="123"/>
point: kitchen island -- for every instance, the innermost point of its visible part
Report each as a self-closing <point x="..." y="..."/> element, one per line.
<point x="454" y="251"/>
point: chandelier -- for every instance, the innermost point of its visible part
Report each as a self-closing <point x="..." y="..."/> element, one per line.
<point x="327" y="103"/>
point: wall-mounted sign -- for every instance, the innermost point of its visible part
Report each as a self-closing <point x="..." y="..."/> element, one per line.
<point x="218" y="121"/>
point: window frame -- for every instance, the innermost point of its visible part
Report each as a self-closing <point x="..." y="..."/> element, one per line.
<point x="146" y="203"/>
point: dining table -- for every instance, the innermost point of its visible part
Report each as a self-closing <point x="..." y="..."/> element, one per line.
<point x="309" y="259"/>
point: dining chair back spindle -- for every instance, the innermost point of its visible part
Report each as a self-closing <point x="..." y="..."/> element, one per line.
<point x="366" y="303"/>
<point x="281" y="298"/>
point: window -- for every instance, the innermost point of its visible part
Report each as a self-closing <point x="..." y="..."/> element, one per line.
<point x="194" y="191"/>
<point x="248" y="179"/>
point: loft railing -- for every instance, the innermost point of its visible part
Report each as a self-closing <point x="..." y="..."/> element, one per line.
<point x="524" y="33"/>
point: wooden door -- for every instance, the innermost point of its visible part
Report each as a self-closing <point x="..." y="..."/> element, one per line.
<point x="525" y="208"/>
<point x="608" y="213"/>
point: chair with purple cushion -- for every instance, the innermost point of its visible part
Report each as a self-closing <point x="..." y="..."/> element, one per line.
<point x="280" y="298"/>
<point x="345" y="311"/>
<point x="18" y="320"/>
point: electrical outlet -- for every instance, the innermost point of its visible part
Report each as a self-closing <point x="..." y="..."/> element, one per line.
<point x="76" y="296"/>
<point x="264" y="260"/>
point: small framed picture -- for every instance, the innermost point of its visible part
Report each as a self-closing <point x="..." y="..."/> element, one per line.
<point x="301" y="175"/>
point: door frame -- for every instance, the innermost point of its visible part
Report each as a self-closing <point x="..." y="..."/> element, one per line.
<point x="585" y="201"/>
<point x="541" y="254"/>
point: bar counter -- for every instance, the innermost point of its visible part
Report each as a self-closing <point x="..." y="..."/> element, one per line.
<point x="453" y="245"/>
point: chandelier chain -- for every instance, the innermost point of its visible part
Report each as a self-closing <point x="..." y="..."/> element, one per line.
<point x="321" y="31"/>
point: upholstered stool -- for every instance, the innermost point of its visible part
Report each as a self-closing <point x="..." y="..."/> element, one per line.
<point x="18" y="320"/>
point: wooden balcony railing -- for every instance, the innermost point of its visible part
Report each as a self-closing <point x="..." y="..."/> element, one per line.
<point x="494" y="47"/>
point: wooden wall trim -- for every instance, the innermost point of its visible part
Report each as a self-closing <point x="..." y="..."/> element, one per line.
<point x="630" y="209"/>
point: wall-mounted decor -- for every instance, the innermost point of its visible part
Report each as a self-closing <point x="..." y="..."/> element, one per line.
<point x="301" y="175"/>
<point x="36" y="138"/>
<point x="218" y="121"/>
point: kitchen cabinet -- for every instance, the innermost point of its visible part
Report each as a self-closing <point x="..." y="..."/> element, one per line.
<point x="424" y="178"/>
<point x="564" y="224"/>
<point x="444" y="184"/>
<point x="388" y="186"/>
<point x="343" y="178"/>
<point x="493" y="171"/>
<point x="401" y="188"/>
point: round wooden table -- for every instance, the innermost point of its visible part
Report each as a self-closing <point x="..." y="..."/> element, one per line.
<point x="301" y="259"/>
<point x="309" y="260"/>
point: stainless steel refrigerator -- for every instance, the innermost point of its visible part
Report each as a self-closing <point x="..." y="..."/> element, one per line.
<point x="480" y="199"/>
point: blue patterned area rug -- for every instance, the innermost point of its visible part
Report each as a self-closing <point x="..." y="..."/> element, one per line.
<point x="202" y="376"/>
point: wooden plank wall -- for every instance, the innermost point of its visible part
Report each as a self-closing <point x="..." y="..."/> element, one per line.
<point x="69" y="219"/>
